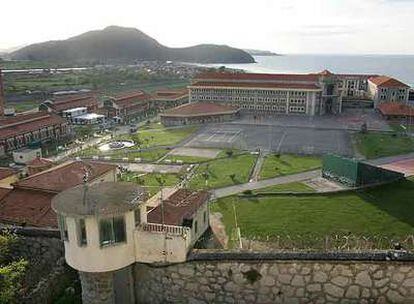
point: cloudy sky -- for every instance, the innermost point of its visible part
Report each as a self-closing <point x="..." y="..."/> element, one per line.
<point x="283" y="26"/>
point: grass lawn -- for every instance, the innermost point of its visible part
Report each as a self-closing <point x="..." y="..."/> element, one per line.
<point x="161" y="136"/>
<point x="287" y="164"/>
<point x="386" y="211"/>
<point x="290" y="187"/>
<point x="373" y="145"/>
<point x="220" y="172"/>
<point x="150" y="180"/>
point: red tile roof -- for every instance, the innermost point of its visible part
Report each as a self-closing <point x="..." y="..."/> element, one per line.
<point x="65" y="176"/>
<point x="181" y="205"/>
<point x="39" y="161"/>
<point x="24" y="123"/>
<point x="4" y="192"/>
<point x="200" y="109"/>
<point x="387" y="82"/>
<point x="130" y="99"/>
<point x="27" y="207"/>
<point x="264" y="85"/>
<point x="6" y="172"/>
<point x="63" y="104"/>
<point x="170" y="94"/>
<point x="258" y="77"/>
<point x="396" y="109"/>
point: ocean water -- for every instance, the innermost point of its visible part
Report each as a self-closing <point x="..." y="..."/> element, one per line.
<point x="397" y="66"/>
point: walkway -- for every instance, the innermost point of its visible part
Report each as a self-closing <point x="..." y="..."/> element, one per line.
<point x="226" y="191"/>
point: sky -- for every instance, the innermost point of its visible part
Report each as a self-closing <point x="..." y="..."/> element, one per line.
<point x="281" y="26"/>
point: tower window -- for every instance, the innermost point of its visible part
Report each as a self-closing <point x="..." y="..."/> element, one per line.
<point x="81" y="231"/>
<point x="63" y="227"/>
<point x="112" y="230"/>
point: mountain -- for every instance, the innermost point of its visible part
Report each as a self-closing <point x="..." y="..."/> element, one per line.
<point x="120" y="43"/>
<point x="260" y="53"/>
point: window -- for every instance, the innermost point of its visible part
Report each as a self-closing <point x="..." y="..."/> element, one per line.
<point x="195" y="227"/>
<point x="112" y="231"/>
<point x="63" y="228"/>
<point x="137" y="214"/>
<point x="81" y="231"/>
<point x="205" y="217"/>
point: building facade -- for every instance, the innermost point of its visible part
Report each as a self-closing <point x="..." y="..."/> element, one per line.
<point x="307" y="94"/>
<point x="199" y="113"/>
<point x="310" y="94"/>
<point x="129" y="106"/>
<point x="23" y="130"/>
<point x="386" y="89"/>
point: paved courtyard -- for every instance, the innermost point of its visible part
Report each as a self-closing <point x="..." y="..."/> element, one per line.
<point x="184" y="151"/>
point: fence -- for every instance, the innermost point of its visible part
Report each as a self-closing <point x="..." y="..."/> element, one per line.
<point x="342" y="243"/>
<point x="159" y="228"/>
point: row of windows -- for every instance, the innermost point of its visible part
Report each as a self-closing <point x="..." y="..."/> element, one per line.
<point x="297" y="109"/>
<point x="247" y="92"/>
<point x="111" y="230"/>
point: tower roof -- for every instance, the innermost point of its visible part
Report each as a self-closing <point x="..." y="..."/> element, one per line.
<point x="106" y="198"/>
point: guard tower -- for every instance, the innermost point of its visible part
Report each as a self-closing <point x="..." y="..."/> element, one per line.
<point x="97" y="224"/>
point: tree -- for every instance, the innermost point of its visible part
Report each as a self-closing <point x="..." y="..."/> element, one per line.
<point x="12" y="270"/>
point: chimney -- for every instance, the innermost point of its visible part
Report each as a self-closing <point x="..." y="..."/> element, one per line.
<point x="2" y="100"/>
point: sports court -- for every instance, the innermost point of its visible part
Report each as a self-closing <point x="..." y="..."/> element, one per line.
<point x="297" y="140"/>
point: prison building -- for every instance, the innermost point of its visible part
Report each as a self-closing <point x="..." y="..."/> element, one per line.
<point x="127" y="106"/>
<point x="28" y="203"/>
<point x="386" y="89"/>
<point x="355" y="86"/>
<point x="167" y="99"/>
<point x="399" y="112"/>
<point x="199" y="113"/>
<point x="307" y="94"/>
<point x="64" y="104"/>
<point x="24" y="130"/>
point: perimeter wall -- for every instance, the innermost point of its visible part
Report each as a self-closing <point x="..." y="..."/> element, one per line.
<point x="257" y="278"/>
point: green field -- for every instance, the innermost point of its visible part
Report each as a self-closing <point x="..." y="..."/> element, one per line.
<point x="373" y="145"/>
<point x="160" y="137"/>
<point x="276" y="165"/>
<point x="290" y="187"/>
<point x="386" y="211"/>
<point x="223" y="172"/>
<point x="150" y="181"/>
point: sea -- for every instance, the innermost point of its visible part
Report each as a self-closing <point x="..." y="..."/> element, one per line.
<point x="397" y="66"/>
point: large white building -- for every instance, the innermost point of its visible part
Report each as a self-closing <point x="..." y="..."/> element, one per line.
<point x="309" y="94"/>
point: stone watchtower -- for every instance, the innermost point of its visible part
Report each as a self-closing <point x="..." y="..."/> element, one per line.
<point x="97" y="224"/>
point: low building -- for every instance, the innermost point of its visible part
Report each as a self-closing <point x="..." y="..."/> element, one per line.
<point x="32" y="129"/>
<point x="128" y="106"/>
<point x="60" y="105"/>
<point x="29" y="202"/>
<point x="386" y="89"/>
<point x="167" y="99"/>
<point x="397" y="111"/>
<point x="199" y="113"/>
<point x="26" y="155"/>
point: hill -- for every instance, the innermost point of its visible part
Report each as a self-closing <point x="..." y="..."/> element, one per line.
<point x="260" y="53"/>
<point x="120" y="43"/>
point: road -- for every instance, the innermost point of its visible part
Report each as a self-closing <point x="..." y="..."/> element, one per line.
<point x="226" y="191"/>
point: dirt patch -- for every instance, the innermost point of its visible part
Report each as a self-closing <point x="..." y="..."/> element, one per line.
<point x="322" y="185"/>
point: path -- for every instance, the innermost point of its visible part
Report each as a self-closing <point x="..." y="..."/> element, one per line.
<point x="226" y="191"/>
<point x="257" y="167"/>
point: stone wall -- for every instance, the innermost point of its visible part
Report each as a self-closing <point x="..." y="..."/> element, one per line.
<point x="97" y="288"/>
<point x="277" y="281"/>
<point x="47" y="274"/>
